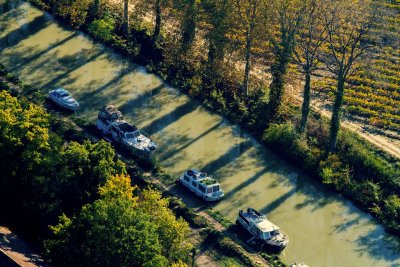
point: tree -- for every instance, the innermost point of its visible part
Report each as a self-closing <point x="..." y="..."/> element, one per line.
<point x="283" y="20"/>
<point x="82" y="168"/>
<point x="347" y="24"/>
<point x="158" y="7"/>
<point x="248" y="12"/>
<point x="310" y="37"/>
<point x="53" y="6"/>
<point x="125" y="26"/>
<point x="189" y="16"/>
<point x="172" y="232"/>
<point x="217" y="14"/>
<point x="24" y="137"/>
<point x="94" y="11"/>
<point x="76" y="11"/>
<point x="119" y="229"/>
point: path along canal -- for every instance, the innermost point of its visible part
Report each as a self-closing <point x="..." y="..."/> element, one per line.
<point x="324" y="229"/>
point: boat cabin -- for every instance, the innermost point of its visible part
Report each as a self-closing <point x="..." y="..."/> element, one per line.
<point x="110" y="113"/>
<point x="124" y="130"/>
<point x="203" y="185"/>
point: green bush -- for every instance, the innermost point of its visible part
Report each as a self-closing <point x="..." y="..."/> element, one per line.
<point x="366" y="163"/>
<point x="368" y="194"/>
<point x="103" y="29"/>
<point x="282" y="135"/>
<point x="334" y="173"/>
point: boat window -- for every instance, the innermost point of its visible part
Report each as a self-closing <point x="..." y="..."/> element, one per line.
<point x="190" y="173"/>
<point x="202" y="188"/>
<point x="194" y="184"/>
<point x="266" y="235"/>
<point x="130" y="135"/>
<point x="186" y="178"/>
<point x="275" y="232"/>
<point x="64" y="94"/>
<point x="259" y="232"/>
<point x="209" y="190"/>
<point x="215" y="188"/>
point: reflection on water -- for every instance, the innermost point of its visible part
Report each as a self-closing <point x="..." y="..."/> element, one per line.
<point x="323" y="229"/>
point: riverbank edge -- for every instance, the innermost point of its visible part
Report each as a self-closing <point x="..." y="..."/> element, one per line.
<point x="298" y="156"/>
<point x="78" y="130"/>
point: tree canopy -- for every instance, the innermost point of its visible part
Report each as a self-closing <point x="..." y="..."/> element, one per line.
<point x="121" y="229"/>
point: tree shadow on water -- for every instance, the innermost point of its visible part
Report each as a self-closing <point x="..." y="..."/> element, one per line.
<point x="72" y="63"/>
<point x="24" y="60"/>
<point x="233" y="153"/>
<point x="171" y="117"/>
<point x="342" y="227"/>
<point x="278" y="202"/>
<point x="380" y="246"/>
<point x="246" y="183"/>
<point x="186" y="143"/>
<point x="24" y="31"/>
<point x="109" y="84"/>
<point x="139" y="100"/>
<point x="10" y="5"/>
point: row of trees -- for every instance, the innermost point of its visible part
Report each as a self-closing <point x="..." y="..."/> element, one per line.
<point x="102" y="219"/>
<point x="316" y="35"/>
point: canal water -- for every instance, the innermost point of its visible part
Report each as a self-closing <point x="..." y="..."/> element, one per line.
<point x="324" y="229"/>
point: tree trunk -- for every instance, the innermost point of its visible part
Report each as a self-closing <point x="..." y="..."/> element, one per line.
<point x="335" y="120"/>
<point x="157" y="27"/>
<point x="189" y="26"/>
<point x="305" y="110"/>
<point x="125" y="27"/>
<point x="53" y="7"/>
<point x="277" y="86"/>
<point x="95" y="10"/>
<point x="247" y="67"/>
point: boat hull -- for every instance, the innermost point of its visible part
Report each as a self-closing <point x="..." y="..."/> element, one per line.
<point x="62" y="104"/>
<point x="206" y="197"/>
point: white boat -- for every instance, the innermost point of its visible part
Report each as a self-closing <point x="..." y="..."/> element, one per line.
<point x="64" y="99"/>
<point x="132" y="138"/>
<point x="301" y="264"/>
<point x="110" y="121"/>
<point x="262" y="229"/>
<point x="202" y="185"/>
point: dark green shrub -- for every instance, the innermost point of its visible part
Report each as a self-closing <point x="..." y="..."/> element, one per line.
<point x="280" y="135"/>
<point x="368" y="194"/>
<point x="4" y="86"/>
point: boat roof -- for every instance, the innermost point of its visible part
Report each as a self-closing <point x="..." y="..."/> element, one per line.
<point x="267" y="226"/>
<point x="261" y="222"/>
<point x="196" y="174"/>
<point x="61" y="90"/>
<point x="110" y="109"/>
<point x="208" y="181"/>
<point x="126" y="127"/>
<point x="201" y="177"/>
